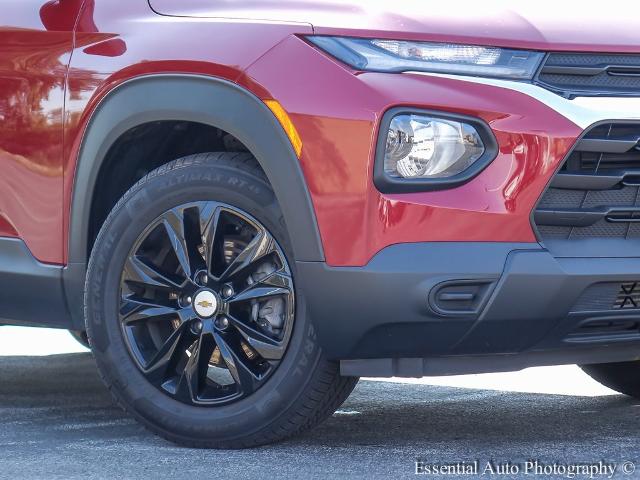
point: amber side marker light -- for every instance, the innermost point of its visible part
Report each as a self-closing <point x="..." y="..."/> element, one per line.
<point x="287" y="124"/>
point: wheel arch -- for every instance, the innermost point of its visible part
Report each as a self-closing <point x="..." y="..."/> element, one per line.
<point x="197" y="98"/>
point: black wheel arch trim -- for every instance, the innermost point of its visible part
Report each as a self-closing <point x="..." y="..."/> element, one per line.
<point x="187" y="97"/>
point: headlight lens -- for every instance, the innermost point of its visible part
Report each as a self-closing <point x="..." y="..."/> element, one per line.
<point x="401" y="56"/>
<point x="420" y="146"/>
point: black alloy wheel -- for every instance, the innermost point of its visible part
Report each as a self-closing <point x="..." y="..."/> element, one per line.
<point x="207" y="303"/>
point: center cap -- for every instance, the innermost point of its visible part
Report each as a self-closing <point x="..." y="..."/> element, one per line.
<point x="205" y="303"/>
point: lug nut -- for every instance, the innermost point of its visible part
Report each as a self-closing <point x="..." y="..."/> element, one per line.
<point x="187" y="300"/>
<point x="222" y="322"/>
<point x="204" y="279"/>
<point x="227" y="291"/>
<point x="196" y="326"/>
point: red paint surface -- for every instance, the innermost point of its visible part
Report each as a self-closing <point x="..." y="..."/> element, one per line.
<point x="36" y="39"/>
<point x="336" y="113"/>
<point x="335" y="110"/>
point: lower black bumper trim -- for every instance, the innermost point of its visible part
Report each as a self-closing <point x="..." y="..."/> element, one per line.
<point x="461" y="365"/>
<point x="500" y="299"/>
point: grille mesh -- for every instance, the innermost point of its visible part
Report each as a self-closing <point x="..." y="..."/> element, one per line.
<point x="599" y="297"/>
<point x="587" y="73"/>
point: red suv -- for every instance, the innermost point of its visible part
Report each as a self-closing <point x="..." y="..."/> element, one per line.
<point x="249" y="204"/>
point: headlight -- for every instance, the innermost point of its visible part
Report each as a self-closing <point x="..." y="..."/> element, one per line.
<point x="420" y="150"/>
<point x="401" y="56"/>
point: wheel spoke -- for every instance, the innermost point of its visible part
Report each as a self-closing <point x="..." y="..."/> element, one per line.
<point x="194" y="376"/>
<point x="140" y="271"/>
<point x="261" y="245"/>
<point x="237" y="364"/>
<point x="164" y="362"/>
<point x="148" y="313"/>
<point x="209" y="223"/>
<point x="276" y="283"/>
<point x="267" y="347"/>
<point x="134" y="309"/>
<point x="186" y="253"/>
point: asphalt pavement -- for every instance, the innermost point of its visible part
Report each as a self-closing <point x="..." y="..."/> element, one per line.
<point x="59" y="422"/>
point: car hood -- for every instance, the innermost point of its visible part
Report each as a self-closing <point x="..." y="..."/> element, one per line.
<point x="564" y="25"/>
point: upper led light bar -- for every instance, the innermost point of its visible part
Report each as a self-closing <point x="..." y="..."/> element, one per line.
<point x="401" y="56"/>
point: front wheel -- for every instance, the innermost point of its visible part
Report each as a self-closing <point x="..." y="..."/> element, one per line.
<point x="193" y="313"/>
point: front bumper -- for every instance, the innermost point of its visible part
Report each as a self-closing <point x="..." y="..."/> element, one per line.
<point x="474" y="300"/>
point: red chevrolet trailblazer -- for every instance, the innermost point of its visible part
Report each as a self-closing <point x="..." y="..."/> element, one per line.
<point x="246" y="205"/>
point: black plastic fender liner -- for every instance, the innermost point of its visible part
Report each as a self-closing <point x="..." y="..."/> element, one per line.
<point x="196" y="98"/>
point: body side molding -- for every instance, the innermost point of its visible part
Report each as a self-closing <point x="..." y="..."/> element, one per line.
<point x="32" y="292"/>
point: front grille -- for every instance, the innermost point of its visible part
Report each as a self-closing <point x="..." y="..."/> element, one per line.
<point x="574" y="74"/>
<point x="606" y="312"/>
<point x="596" y="193"/>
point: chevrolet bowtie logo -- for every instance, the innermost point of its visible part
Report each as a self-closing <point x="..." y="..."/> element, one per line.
<point x="205" y="304"/>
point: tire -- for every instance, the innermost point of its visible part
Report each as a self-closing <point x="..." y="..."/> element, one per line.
<point x="81" y="337"/>
<point x="623" y="377"/>
<point x="301" y="389"/>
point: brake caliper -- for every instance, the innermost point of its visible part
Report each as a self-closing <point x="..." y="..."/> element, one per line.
<point x="268" y="314"/>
